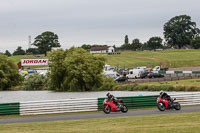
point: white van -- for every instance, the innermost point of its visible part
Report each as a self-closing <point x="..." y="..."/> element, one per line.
<point x="134" y="73"/>
<point x="112" y="74"/>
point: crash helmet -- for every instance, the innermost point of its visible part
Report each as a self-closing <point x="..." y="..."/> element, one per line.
<point x="161" y="92"/>
<point x="108" y="94"/>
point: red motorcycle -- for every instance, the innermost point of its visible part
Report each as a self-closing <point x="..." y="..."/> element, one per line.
<point x="163" y="104"/>
<point x="110" y="106"/>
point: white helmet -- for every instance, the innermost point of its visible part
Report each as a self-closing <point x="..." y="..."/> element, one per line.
<point x="108" y="94"/>
<point x="161" y="92"/>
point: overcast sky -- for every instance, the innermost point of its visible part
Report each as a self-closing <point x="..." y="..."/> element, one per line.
<point x="78" y="22"/>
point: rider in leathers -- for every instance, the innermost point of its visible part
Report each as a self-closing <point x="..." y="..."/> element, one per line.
<point x="164" y="95"/>
<point x="111" y="97"/>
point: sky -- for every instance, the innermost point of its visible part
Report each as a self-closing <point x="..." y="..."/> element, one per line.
<point x="78" y="22"/>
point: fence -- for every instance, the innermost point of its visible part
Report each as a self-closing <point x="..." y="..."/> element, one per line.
<point x="181" y="74"/>
<point x="89" y="104"/>
<point x="58" y="106"/>
<point x="190" y="98"/>
<point x="9" y="109"/>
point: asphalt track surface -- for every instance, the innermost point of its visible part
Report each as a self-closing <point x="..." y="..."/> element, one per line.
<point x="95" y="115"/>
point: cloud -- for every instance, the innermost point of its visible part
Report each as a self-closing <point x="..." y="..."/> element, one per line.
<point x="88" y="21"/>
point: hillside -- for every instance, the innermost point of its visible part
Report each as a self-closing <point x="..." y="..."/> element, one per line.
<point x="165" y="58"/>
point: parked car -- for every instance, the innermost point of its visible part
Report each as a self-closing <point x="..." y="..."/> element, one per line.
<point x="158" y="68"/>
<point x="142" y="67"/>
<point x="155" y="75"/>
<point x="116" y="76"/>
<point x="121" y="79"/>
<point x="144" y="75"/>
<point x="123" y="71"/>
<point x="111" y="74"/>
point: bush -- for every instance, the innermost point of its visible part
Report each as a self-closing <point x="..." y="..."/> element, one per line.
<point x="108" y="84"/>
<point x="9" y="75"/>
<point x="75" y="70"/>
<point x="35" y="82"/>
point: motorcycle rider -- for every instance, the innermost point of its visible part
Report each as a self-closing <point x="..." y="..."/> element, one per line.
<point x="111" y="97"/>
<point x="164" y="95"/>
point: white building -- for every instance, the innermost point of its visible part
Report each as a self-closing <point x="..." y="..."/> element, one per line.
<point x="103" y="49"/>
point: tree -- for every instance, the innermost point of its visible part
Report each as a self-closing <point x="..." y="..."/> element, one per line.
<point x="155" y="43"/>
<point x="135" y="45"/>
<point x="32" y="51"/>
<point x="179" y="31"/>
<point x="126" y="41"/>
<point x="58" y="71"/>
<point x="86" y="46"/>
<point x="35" y="82"/>
<point x="9" y="75"/>
<point x="144" y="46"/>
<point x="19" y="51"/>
<point x="46" y="41"/>
<point x="196" y="43"/>
<point x="7" y="53"/>
<point x="125" y="47"/>
<point x="75" y="70"/>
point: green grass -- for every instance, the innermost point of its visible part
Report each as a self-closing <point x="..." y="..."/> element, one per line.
<point x="179" y="85"/>
<point x="187" y="83"/>
<point x="166" y="58"/>
<point x="165" y="123"/>
<point x="129" y="61"/>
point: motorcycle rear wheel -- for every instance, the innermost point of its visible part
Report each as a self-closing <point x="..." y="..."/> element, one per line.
<point x="124" y="108"/>
<point x="161" y="106"/>
<point x="177" y="106"/>
<point x="106" y="110"/>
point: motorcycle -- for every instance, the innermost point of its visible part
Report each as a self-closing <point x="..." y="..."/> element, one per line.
<point x="163" y="104"/>
<point x="110" y="106"/>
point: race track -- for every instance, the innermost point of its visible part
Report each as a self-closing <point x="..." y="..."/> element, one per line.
<point x="95" y="115"/>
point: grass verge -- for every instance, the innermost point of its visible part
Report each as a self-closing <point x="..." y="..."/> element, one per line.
<point x="74" y="113"/>
<point x="165" y="123"/>
<point x="187" y="83"/>
<point x="180" y="85"/>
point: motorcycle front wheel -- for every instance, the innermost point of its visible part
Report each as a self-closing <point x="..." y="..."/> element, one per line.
<point x="161" y="106"/>
<point x="124" y="108"/>
<point x="106" y="110"/>
<point x="177" y="106"/>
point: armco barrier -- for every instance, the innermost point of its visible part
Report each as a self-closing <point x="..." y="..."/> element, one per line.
<point x="58" y="106"/>
<point x="9" y="109"/>
<point x="190" y="98"/>
<point x="134" y="102"/>
<point x="90" y="104"/>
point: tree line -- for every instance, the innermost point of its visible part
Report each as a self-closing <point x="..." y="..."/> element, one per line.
<point x="179" y="32"/>
<point x="43" y="43"/>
